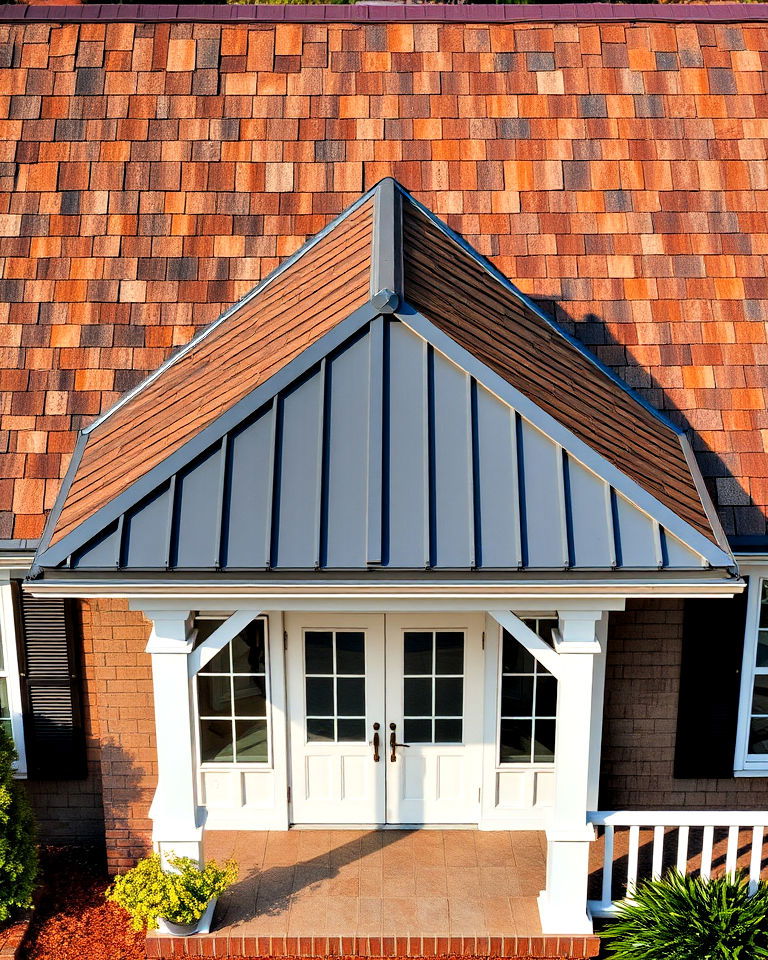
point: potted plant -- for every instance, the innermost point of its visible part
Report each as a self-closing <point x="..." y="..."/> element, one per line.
<point x="178" y="898"/>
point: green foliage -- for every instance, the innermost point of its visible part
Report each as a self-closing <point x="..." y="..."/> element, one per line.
<point x="687" y="918"/>
<point x="181" y="895"/>
<point x="18" y="850"/>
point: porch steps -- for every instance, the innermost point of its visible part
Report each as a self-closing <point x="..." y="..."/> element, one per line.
<point x="224" y="944"/>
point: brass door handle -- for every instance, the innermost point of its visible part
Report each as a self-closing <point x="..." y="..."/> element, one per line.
<point x="376" y="742"/>
<point x="393" y="744"/>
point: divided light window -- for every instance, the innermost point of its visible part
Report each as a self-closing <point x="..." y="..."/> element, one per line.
<point x="757" y="736"/>
<point x="334" y="678"/>
<point x="232" y="697"/>
<point x="433" y="686"/>
<point x="10" y="693"/>
<point x="528" y="703"/>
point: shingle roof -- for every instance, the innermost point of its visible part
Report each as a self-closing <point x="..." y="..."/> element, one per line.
<point x="151" y="174"/>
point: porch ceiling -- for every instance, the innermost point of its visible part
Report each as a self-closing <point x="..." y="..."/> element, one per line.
<point x="386" y="402"/>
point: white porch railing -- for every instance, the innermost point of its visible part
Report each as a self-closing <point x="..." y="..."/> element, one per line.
<point x="739" y="835"/>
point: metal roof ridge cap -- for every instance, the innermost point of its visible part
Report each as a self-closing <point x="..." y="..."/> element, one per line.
<point x="542" y="314"/>
<point x="328" y="13"/>
<point x="259" y="288"/>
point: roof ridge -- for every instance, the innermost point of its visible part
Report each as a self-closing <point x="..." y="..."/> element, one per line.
<point x="186" y="348"/>
<point x="530" y="304"/>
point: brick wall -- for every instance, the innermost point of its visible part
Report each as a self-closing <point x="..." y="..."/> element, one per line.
<point x="642" y="685"/>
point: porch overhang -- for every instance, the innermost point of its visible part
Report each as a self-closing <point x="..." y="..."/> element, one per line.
<point x="384" y="409"/>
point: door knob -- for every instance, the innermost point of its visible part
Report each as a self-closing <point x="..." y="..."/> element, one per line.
<point x="376" y="742"/>
<point x="393" y="744"/>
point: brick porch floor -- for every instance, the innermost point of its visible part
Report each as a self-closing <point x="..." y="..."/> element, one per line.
<point x="378" y="893"/>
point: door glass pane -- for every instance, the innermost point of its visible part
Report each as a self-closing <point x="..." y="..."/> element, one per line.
<point x="214" y="697"/>
<point x="250" y="695"/>
<point x="449" y="653"/>
<point x="320" y="697"/>
<point x="448" y="731"/>
<point x="417" y="652"/>
<point x="417" y="731"/>
<point x="449" y="696"/>
<point x="433" y="686"/>
<point x="318" y="647"/>
<point x="320" y="729"/>
<point x="251" y="742"/>
<point x="528" y="702"/>
<point x="350" y="697"/>
<point x="249" y="649"/>
<point x="417" y="696"/>
<point x="216" y="741"/>
<point x="335" y="702"/>
<point x="351" y="731"/>
<point x="350" y="654"/>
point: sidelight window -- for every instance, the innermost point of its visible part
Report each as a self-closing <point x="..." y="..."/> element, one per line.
<point x="528" y="706"/>
<point x="232" y="697"/>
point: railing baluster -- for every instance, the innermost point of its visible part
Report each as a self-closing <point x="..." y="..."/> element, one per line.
<point x="658" y="852"/>
<point x="634" y="847"/>
<point x="706" y="852"/>
<point x="755" y="858"/>
<point x="732" y="851"/>
<point x="608" y="865"/>
<point x="682" y="849"/>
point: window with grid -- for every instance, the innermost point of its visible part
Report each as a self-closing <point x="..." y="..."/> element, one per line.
<point x="528" y="703"/>
<point x="10" y="694"/>
<point x="757" y="740"/>
<point x="334" y="678"/>
<point x="433" y="686"/>
<point x="232" y="697"/>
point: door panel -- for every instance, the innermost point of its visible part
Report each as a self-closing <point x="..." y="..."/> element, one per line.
<point x="434" y="695"/>
<point x="335" y="695"/>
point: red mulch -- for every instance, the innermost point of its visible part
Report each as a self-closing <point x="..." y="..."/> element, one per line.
<point x="74" y="921"/>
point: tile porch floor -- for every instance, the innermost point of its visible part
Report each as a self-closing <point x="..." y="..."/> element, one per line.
<point x="365" y="883"/>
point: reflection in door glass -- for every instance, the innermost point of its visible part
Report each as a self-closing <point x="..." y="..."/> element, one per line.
<point x="334" y="685"/>
<point x="433" y="686"/>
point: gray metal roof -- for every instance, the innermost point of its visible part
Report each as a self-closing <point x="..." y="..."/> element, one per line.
<point x="387" y="445"/>
<point x="384" y="453"/>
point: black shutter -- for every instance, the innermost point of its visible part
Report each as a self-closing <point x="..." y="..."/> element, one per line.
<point x="710" y="678"/>
<point x="49" y="665"/>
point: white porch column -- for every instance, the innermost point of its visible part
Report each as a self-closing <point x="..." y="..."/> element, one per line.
<point x="177" y="823"/>
<point x="580" y="644"/>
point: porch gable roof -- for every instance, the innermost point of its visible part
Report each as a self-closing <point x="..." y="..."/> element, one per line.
<point x="384" y="399"/>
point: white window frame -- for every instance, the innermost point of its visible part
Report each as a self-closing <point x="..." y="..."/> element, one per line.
<point x="745" y="764"/>
<point x="220" y="765"/>
<point x="11" y="670"/>
<point x="528" y="765"/>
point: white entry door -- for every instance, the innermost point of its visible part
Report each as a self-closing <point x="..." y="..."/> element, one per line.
<point x="434" y="700"/>
<point x="335" y="697"/>
<point x="385" y="718"/>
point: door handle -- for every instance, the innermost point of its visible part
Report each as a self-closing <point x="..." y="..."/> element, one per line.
<point x="393" y="744"/>
<point x="376" y="742"/>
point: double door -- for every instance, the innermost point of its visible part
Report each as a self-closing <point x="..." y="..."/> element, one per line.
<point x="385" y="718"/>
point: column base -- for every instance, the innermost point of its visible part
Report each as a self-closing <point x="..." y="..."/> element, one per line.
<point x="559" y="919"/>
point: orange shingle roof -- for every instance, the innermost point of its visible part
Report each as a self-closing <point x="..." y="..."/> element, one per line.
<point x="151" y="174"/>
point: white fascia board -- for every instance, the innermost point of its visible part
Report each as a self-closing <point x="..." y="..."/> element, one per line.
<point x="710" y="551"/>
<point x="16" y="561"/>
<point x="403" y="596"/>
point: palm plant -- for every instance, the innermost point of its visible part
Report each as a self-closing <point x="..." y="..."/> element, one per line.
<point x="689" y="918"/>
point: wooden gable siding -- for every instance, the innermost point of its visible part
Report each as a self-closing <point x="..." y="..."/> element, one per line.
<point x="453" y="291"/>
<point x="325" y="285"/>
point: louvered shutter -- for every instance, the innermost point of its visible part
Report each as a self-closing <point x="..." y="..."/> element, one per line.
<point x="51" y="689"/>
<point x="710" y="680"/>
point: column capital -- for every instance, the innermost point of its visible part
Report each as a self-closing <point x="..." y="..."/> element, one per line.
<point x="577" y="631"/>
<point x="171" y="631"/>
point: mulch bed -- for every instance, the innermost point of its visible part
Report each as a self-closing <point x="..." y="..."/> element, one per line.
<point x="74" y="921"/>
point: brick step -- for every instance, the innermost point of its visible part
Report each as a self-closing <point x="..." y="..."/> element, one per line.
<point x="240" y="947"/>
